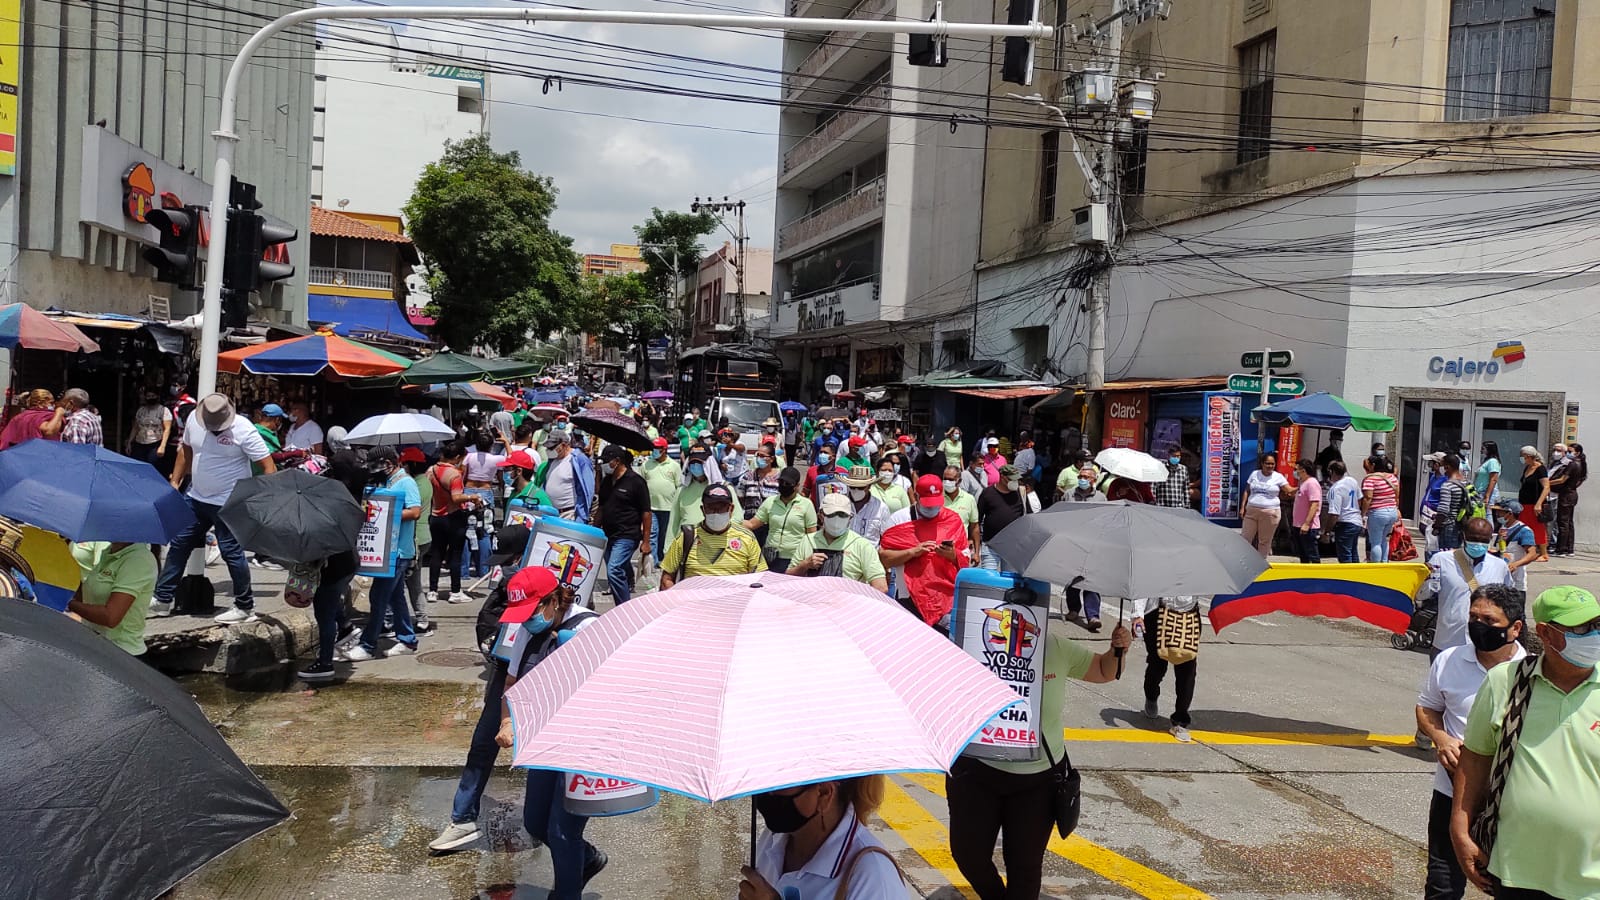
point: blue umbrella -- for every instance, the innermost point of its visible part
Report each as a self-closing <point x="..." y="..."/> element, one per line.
<point x="792" y="406"/>
<point x="88" y="493"/>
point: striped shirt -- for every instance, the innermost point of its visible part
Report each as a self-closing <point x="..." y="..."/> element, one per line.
<point x="1385" y="490"/>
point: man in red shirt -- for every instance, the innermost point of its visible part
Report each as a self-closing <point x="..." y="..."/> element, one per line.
<point x="927" y="544"/>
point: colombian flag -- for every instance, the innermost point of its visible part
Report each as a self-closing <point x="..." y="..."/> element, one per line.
<point x="1376" y="593"/>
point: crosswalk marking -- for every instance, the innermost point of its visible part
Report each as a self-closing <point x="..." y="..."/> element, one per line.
<point x="1241" y="738"/>
<point x="1108" y="864"/>
<point x="924" y="833"/>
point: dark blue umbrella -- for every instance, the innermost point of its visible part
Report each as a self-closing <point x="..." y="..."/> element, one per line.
<point x="88" y="493"/>
<point x="792" y="406"/>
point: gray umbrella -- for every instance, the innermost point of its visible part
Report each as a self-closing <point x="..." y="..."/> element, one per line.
<point x="293" y="516"/>
<point x="1127" y="549"/>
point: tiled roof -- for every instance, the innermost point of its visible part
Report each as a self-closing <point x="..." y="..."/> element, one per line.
<point x="328" y="223"/>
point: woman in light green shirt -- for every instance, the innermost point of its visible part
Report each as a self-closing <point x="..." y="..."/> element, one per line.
<point x="118" y="581"/>
<point x="888" y="489"/>
<point x="951" y="447"/>
<point x="789" y="518"/>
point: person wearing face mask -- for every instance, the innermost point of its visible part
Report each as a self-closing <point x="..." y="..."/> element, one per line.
<point x="789" y="517"/>
<point x="856" y="452"/>
<point x="735" y="462"/>
<point x="1174" y="492"/>
<point x="662" y="474"/>
<point x="952" y="448"/>
<point x="623" y="513"/>
<point x="1560" y="469"/>
<point x="716" y="546"/>
<point x="887" y="487"/>
<point x="1380" y="450"/>
<point x="926" y="545"/>
<point x="998" y="506"/>
<point x="1066" y="482"/>
<point x="838" y="551"/>
<point x="758" y="483"/>
<point x="686" y="502"/>
<point x="1532" y="494"/>
<point x="388" y="595"/>
<point x="1380" y="504"/>
<point x="1514" y="543"/>
<point x="824" y="469"/>
<point x="151" y="432"/>
<point x="1549" y="807"/>
<point x="1445" y="701"/>
<point x="825" y="440"/>
<point x="1574" y="472"/>
<point x="817" y="844"/>
<point x="960" y="502"/>
<point x="992" y="460"/>
<point x="869" y="515"/>
<point x="976" y="476"/>
<point x="567" y="475"/>
<point x="1455" y="574"/>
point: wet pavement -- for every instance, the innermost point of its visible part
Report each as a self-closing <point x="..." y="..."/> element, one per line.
<point x="1301" y="783"/>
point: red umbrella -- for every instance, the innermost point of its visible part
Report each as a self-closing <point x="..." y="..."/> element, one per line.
<point x="23" y="326"/>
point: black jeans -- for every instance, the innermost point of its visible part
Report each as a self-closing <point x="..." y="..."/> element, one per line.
<point x="1566" y="505"/>
<point x="1510" y="893"/>
<point x="1155" y="669"/>
<point x="1306" y="545"/>
<point x="1446" y="881"/>
<point x="449" y="536"/>
<point x="986" y="803"/>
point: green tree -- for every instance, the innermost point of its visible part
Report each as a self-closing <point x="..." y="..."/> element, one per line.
<point x="499" y="274"/>
<point x="622" y="312"/>
<point x="672" y="230"/>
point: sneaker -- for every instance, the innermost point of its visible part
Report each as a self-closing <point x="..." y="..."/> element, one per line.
<point x="359" y="653"/>
<point x="593" y="867"/>
<point x="1150" y="710"/>
<point x="267" y="564"/>
<point x="316" y="672"/>
<point x="423" y="626"/>
<point x="1182" y="734"/>
<point x="433" y="596"/>
<point x="386" y="635"/>
<point x="454" y="836"/>
<point x="458" y="597"/>
<point x="1092" y="625"/>
<point x="349" y="639"/>
<point x="159" y="610"/>
<point x="401" y="650"/>
<point x="235" y="615"/>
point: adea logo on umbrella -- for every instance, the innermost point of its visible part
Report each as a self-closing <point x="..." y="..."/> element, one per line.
<point x="1011" y="630"/>
<point x="568" y="562"/>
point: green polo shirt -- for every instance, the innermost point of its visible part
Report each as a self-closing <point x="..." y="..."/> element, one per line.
<point x="1550" y="810"/>
<point x="861" y="561"/>
<point x="787" y="523"/>
<point x="1063" y="659"/>
<point x="893" y="496"/>
<point x="964" y="506"/>
<point x="663" y="476"/>
<point x="131" y="570"/>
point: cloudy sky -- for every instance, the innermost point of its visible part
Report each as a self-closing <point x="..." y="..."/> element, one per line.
<point x="614" y="154"/>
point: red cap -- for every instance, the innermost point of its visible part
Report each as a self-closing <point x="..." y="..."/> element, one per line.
<point x="412" y="455"/>
<point x="530" y="585"/>
<point x="930" y="490"/>
<point x="520" y="459"/>
<point x="906" y="439"/>
<point x="659" y="443"/>
<point x="857" y="441"/>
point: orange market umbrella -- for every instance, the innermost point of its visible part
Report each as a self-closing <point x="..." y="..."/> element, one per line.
<point x="313" y="355"/>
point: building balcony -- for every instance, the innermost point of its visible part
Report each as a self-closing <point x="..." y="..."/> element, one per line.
<point x="856" y="133"/>
<point x="856" y="210"/>
<point x="351" y="278"/>
<point x="839" y="306"/>
<point x="843" y="55"/>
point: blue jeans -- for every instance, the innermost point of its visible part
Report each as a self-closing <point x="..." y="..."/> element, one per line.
<point x="327" y="604"/>
<point x="545" y="815"/>
<point x="482" y="753"/>
<point x="481" y="564"/>
<point x="659" y="539"/>
<point x="619" y="569"/>
<point x="1085" y="602"/>
<point x="1345" y="536"/>
<point x="1379" y="523"/>
<point x="1450" y="536"/>
<point x="388" y="600"/>
<point x="194" y="536"/>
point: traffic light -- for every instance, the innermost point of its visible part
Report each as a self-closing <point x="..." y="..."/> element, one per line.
<point x="929" y="50"/>
<point x="1017" y="64"/>
<point x="250" y="239"/>
<point x="177" y="259"/>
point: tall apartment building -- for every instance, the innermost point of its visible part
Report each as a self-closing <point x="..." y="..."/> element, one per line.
<point x="877" y="180"/>
<point x="1401" y="194"/>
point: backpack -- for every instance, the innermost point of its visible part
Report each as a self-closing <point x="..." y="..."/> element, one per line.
<point x="1472" y="505"/>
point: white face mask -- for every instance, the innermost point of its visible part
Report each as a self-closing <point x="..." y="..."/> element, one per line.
<point x="858" y="494"/>
<point x="833" y="526"/>
<point x="885" y="477"/>
<point x="928" y="512"/>
<point x="1012" y="484"/>
<point x="950" y="485"/>
<point x="718" y="521"/>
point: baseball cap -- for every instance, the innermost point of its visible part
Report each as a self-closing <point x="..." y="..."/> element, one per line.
<point x="215" y="412"/>
<point x="688" y="417"/>
<point x="1566" y="605"/>
<point x="615" y="452"/>
<point x="558" y="437"/>
<point x="905" y="439"/>
<point x="930" y="490"/>
<point x="1009" y="471"/>
<point x="521" y="459"/>
<point x="413" y="455"/>
<point x="530" y="585"/>
<point x="717" y="493"/>
<point x="1433" y="457"/>
<point x="699" y="454"/>
<point x="273" y="409"/>
<point x="993" y="442"/>
<point x="837" y="504"/>
<point x="857" y="440"/>
<point x="659" y="443"/>
<point x="382" y="455"/>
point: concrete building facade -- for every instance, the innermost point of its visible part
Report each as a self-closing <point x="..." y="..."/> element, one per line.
<point x="716" y="295"/>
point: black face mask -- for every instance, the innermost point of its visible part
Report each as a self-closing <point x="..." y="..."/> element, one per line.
<point x="786" y="488"/>
<point x="780" y="813"/>
<point x="1486" y="637"/>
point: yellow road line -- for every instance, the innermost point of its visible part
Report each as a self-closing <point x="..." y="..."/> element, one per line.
<point x="1108" y="864"/>
<point x="924" y="833"/>
<point x="1236" y="738"/>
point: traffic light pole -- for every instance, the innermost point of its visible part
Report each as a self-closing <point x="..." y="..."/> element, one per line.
<point x="227" y="139"/>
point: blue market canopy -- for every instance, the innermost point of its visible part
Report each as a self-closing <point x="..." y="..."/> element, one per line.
<point x="1322" y="410"/>
<point x="362" y="317"/>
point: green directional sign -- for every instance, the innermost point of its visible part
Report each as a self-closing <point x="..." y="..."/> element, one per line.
<point x="1281" y="359"/>
<point x="1251" y="384"/>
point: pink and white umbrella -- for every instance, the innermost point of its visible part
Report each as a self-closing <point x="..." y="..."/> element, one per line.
<point x="728" y="686"/>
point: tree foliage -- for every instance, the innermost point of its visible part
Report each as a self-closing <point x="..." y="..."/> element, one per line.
<point x="499" y="274"/>
<point x="622" y="312"/>
<point x="676" y="230"/>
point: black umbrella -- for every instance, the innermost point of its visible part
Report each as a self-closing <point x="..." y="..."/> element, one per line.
<point x="293" y="516"/>
<point x="614" y="428"/>
<point x="112" y="782"/>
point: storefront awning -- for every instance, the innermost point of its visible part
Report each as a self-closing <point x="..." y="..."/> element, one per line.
<point x="358" y="316"/>
<point x="1008" y="393"/>
<point x="166" y="339"/>
<point x="1068" y="394"/>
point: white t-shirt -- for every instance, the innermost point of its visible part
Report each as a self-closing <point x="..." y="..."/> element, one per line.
<point x="1265" y="490"/>
<point x="1455" y="597"/>
<point x="303" y="436"/>
<point x="1519" y="546"/>
<point x="874" y="876"/>
<point x="559" y="484"/>
<point x="220" y="461"/>
<point x="482" y="466"/>
<point x="1344" y="500"/>
<point x="1453" y="680"/>
<point x="147" y="422"/>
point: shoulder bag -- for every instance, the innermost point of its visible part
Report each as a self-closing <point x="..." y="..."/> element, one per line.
<point x="688" y="545"/>
<point x="1486" y="825"/>
<point x="1178" y="635"/>
<point x="1464" y="566"/>
<point x="1068" y="798"/>
<point x="843" y="890"/>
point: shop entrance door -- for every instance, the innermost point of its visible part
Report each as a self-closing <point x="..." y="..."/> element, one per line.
<point x="1511" y="429"/>
<point x="1441" y="427"/>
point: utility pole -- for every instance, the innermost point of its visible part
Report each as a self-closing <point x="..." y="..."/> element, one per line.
<point x="740" y="238"/>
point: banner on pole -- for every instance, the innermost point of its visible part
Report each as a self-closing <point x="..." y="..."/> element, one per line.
<point x="1219" y="472"/>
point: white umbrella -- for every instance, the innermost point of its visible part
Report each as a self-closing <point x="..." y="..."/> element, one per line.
<point x="400" y="428"/>
<point x="1134" y="465"/>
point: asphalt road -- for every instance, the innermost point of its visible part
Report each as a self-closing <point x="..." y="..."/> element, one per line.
<point x="1302" y="782"/>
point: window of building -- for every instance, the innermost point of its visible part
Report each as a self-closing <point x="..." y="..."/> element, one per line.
<point x="1257" y="62"/>
<point x="469" y="100"/>
<point x="1135" y="160"/>
<point x="1034" y="343"/>
<point x="1061" y="35"/>
<point x="954" y="350"/>
<point x="1500" y="58"/>
<point x="1049" y="170"/>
